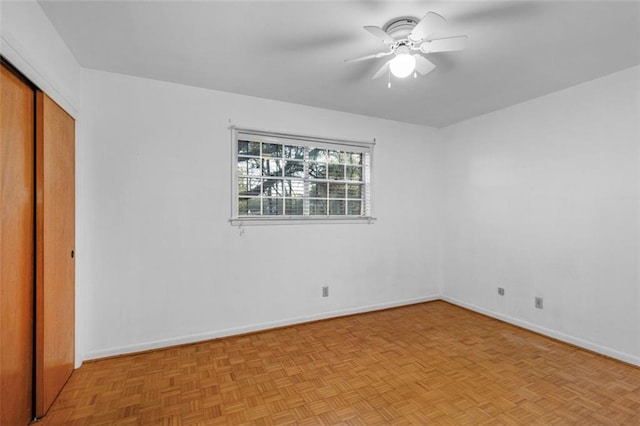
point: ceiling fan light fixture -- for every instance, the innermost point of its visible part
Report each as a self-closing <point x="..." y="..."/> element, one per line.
<point x="402" y="65"/>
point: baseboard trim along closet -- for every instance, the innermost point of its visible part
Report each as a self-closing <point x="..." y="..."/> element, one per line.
<point x="572" y="340"/>
<point x="194" y="338"/>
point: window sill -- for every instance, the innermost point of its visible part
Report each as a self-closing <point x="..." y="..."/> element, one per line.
<point x="290" y="220"/>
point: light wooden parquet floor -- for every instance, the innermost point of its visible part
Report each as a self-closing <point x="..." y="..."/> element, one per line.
<point x="431" y="363"/>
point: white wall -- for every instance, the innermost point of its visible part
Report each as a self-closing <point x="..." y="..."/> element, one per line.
<point x="542" y="198"/>
<point x="161" y="263"/>
<point x="30" y="42"/>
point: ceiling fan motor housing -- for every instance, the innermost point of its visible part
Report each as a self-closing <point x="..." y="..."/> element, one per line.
<point x="402" y="46"/>
<point x="400" y="28"/>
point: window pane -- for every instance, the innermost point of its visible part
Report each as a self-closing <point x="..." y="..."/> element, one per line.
<point x="334" y="156"/>
<point x="355" y="158"/>
<point x="293" y="206"/>
<point x="337" y="190"/>
<point x="248" y="186"/>
<point x="248" y="148"/>
<point x="293" y="188"/>
<point x="272" y="167"/>
<point x="272" y="206"/>
<point x="337" y="207"/>
<point x="248" y="206"/>
<point x="318" y="207"/>
<point x="273" y="150"/>
<point x="295" y="152"/>
<point x="248" y="166"/>
<point x="317" y="154"/>
<point x="242" y="166"/>
<point x="354" y="208"/>
<point x="317" y="189"/>
<point x="354" y="173"/>
<point x="294" y="169"/>
<point x="354" y="191"/>
<point x="243" y="206"/>
<point x="318" y="170"/>
<point x="336" y="171"/>
<point x="273" y="188"/>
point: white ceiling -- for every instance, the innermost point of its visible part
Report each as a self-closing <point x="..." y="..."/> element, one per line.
<point x="294" y="51"/>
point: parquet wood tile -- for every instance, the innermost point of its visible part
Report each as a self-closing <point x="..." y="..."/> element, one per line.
<point x="431" y="363"/>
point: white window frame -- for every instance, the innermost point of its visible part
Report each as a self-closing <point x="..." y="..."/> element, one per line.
<point x="243" y="133"/>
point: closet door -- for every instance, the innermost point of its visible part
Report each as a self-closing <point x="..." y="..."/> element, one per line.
<point x="55" y="230"/>
<point x="16" y="248"/>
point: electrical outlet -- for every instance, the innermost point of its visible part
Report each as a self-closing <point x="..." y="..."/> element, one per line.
<point x="325" y="291"/>
<point x="539" y="302"/>
<point x="501" y="291"/>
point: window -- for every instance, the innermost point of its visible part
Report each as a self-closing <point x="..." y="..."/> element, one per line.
<point x="280" y="177"/>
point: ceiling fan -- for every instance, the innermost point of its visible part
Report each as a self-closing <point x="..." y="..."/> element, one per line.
<point x="408" y="40"/>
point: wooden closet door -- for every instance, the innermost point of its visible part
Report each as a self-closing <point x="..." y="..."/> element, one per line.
<point x="55" y="230"/>
<point x="16" y="248"/>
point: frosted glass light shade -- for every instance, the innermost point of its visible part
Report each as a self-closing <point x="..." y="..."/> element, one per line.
<point x="402" y="65"/>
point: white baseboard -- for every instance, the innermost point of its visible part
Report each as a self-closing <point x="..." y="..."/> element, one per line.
<point x="193" y="338"/>
<point x="622" y="356"/>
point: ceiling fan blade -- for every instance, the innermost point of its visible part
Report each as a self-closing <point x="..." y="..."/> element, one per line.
<point x="374" y="56"/>
<point x="448" y="44"/>
<point x="429" y="24"/>
<point x="380" y="34"/>
<point x="382" y="70"/>
<point x="423" y="65"/>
